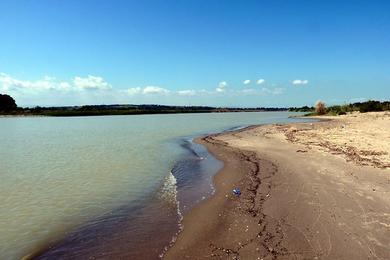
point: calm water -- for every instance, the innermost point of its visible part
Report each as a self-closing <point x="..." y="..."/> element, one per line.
<point x="104" y="187"/>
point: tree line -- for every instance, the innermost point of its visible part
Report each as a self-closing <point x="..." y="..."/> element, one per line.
<point x="8" y="106"/>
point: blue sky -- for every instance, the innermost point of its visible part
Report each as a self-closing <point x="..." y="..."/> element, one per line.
<point x="219" y="53"/>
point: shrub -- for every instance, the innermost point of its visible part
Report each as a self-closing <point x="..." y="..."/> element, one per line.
<point x="370" y="106"/>
<point x="320" y="107"/>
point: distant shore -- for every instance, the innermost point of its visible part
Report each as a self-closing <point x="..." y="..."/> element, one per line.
<point x="110" y="110"/>
<point x="309" y="190"/>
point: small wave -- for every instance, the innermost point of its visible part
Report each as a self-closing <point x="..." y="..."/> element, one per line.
<point x="212" y="187"/>
<point x="190" y="146"/>
<point x="169" y="193"/>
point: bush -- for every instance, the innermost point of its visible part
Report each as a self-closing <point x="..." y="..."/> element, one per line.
<point x="363" y="107"/>
<point x="338" y="110"/>
<point x="320" y="107"/>
<point x="370" y="106"/>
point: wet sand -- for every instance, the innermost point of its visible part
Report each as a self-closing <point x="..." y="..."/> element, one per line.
<point x="309" y="191"/>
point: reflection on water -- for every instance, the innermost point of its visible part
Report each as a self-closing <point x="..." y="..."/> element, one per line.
<point x="104" y="186"/>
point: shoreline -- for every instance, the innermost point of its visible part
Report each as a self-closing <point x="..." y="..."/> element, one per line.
<point x="212" y="203"/>
<point x="297" y="201"/>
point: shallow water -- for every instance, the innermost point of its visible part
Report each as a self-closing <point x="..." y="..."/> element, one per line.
<point x="110" y="186"/>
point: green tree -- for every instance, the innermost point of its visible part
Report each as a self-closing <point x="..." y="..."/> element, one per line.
<point x="7" y="103"/>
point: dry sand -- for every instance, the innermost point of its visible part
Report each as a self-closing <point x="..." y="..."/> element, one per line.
<point x="309" y="191"/>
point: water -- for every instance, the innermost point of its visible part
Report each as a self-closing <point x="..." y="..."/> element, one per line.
<point x="104" y="187"/>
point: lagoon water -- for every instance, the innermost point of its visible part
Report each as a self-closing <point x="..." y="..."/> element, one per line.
<point x="105" y="187"/>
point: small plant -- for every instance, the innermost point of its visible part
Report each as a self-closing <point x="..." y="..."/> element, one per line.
<point x="320" y="107"/>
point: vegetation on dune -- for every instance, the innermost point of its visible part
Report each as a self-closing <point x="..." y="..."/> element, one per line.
<point x="362" y="107"/>
<point x="320" y="108"/>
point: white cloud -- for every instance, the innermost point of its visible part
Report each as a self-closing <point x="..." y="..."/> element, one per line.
<point x="51" y="91"/>
<point x="154" y="90"/>
<point x="247" y="81"/>
<point x="300" y="82"/>
<point x="275" y="91"/>
<point x="260" y="81"/>
<point x="47" y="83"/>
<point x="157" y="90"/>
<point x="262" y="92"/>
<point x="64" y="85"/>
<point x="186" y="92"/>
<point x="50" y="83"/>
<point x="221" y="86"/>
<point x="25" y="87"/>
<point x="8" y="82"/>
<point x="278" y="91"/>
<point x="91" y="82"/>
<point x="248" y="91"/>
<point x="133" y="91"/>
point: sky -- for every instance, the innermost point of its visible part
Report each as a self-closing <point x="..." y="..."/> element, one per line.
<point x="194" y="52"/>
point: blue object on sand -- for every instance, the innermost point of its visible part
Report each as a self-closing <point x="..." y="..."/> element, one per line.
<point x="237" y="191"/>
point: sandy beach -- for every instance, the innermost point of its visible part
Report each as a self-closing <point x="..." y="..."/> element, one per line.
<point x="309" y="191"/>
